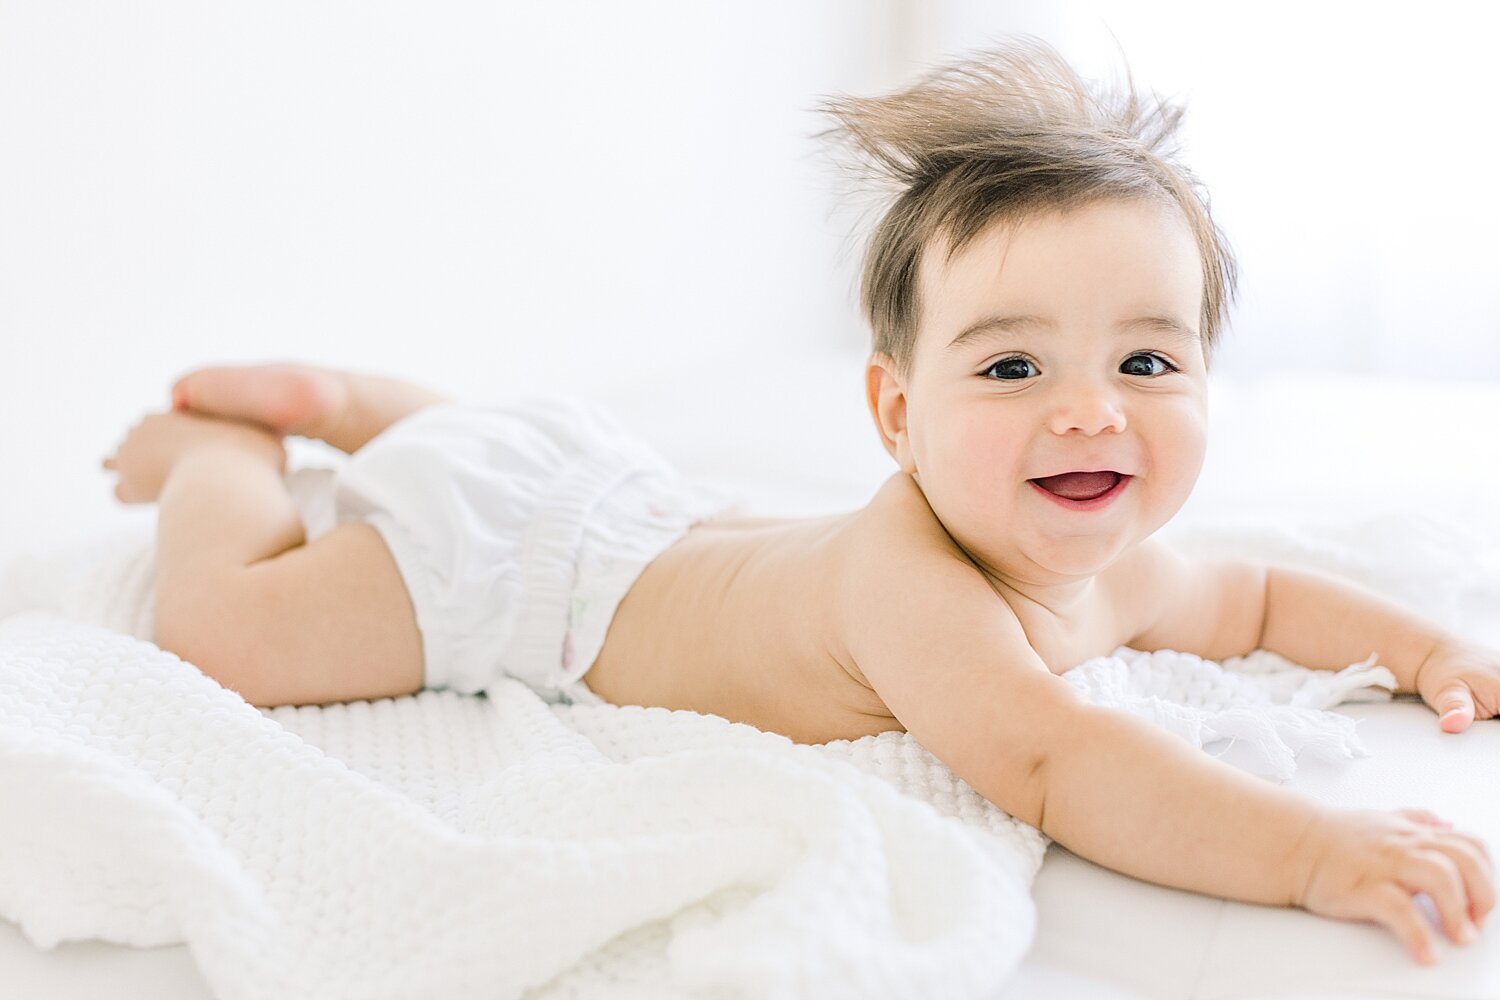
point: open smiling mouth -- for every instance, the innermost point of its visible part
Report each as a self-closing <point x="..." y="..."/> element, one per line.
<point x="1082" y="490"/>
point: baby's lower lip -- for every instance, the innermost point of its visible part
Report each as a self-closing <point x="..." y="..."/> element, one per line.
<point x="1097" y="503"/>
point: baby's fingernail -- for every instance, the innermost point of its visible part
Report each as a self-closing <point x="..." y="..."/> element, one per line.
<point x="1466" y="933"/>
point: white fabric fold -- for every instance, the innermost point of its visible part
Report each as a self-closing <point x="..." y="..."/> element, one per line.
<point x="1269" y="708"/>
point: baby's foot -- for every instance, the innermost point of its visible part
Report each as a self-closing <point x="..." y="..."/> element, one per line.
<point x="288" y="399"/>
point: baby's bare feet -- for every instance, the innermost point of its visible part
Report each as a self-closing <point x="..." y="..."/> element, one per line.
<point x="158" y="441"/>
<point x="286" y="398"/>
<point x="346" y="409"/>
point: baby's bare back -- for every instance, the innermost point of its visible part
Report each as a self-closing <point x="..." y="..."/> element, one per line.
<point x="745" y="619"/>
<point x="738" y="619"/>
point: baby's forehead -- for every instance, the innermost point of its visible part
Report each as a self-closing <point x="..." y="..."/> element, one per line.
<point x="1124" y="247"/>
<point x="1015" y="282"/>
<point x="957" y="240"/>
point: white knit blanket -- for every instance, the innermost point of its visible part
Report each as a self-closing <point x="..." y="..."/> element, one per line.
<point x="447" y="846"/>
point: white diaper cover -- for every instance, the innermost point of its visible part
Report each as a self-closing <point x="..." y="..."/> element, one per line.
<point x="517" y="529"/>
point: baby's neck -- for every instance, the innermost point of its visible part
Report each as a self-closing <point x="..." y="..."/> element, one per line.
<point x="1058" y="602"/>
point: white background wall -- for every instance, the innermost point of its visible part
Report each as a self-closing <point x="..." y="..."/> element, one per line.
<point x="1350" y="152"/>
<point x="619" y="199"/>
<point x="623" y="199"/>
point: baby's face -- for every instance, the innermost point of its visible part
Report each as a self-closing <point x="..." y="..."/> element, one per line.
<point x="1094" y="364"/>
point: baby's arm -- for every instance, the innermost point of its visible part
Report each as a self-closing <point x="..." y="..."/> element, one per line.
<point x="1222" y="608"/>
<point x="954" y="666"/>
<point x="1311" y="618"/>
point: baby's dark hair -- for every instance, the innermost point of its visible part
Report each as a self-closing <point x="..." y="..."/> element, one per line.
<point x="1001" y="135"/>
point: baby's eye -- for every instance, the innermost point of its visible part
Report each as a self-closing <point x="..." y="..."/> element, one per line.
<point x="1014" y="366"/>
<point x="1166" y="365"/>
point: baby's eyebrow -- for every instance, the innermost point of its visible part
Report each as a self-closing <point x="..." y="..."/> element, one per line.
<point x="997" y="327"/>
<point x="1000" y="327"/>
<point x="1169" y="325"/>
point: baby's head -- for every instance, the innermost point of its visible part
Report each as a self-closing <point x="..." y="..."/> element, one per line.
<point x="1045" y="289"/>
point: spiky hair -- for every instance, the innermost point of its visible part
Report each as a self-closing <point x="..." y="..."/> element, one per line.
<point x="1001" y="135"/>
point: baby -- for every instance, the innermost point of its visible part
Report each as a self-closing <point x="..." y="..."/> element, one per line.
<point x="1046" y="289"/>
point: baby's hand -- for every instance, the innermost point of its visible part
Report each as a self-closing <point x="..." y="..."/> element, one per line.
<point x="159" y="440"/>
<point x="1369" y="864"/>
<point x="1462" y="683"/>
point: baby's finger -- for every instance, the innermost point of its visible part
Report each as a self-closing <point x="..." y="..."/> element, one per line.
<point x="1478" y="872"/>
<point x="1455" y="707"/>
<point x="1397" y="911"/>
<point x="1435" y="873"/>
<point x="1424" y="816"/>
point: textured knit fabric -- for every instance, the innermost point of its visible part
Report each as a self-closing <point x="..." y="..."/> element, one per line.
<point x="451" y="846"/>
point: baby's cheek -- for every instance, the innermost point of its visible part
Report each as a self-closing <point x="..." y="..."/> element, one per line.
<point x="970" y="468"/>
<point x="1177" y="461"/>
<point x="1190" y="451"/>
<point x="988" y="476"/>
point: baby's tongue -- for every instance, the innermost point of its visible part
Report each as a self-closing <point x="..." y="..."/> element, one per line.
<point x="1079" y="485"/>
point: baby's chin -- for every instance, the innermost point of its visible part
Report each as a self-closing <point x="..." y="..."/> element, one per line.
<point x="1063" y="563"/>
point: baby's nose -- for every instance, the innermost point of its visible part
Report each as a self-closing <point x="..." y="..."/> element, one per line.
<point x="1088" y="411"/>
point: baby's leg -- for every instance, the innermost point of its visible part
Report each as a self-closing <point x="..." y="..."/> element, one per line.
<point x="240" y="596"/>
<point x="240" y="593"/>
<point x="345" y="409"/>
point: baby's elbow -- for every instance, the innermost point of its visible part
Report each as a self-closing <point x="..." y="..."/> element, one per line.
<point x="1034" y="801"/>
<point x="1056" y="733"/>
<point x="1047" y="732"/>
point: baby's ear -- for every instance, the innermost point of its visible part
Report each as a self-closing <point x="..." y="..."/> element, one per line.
<point x="885" y="393"/>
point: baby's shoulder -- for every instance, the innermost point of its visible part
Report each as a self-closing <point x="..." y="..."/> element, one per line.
<point x="1168" y="598"/>
<point x="898" y="554"/>
<point x="1133" y="587"/>
<point x="898" y="546"/>
<point x="921" y="624"/>
<point x="898" y="526"/>
<point x="1138" y="570"/>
